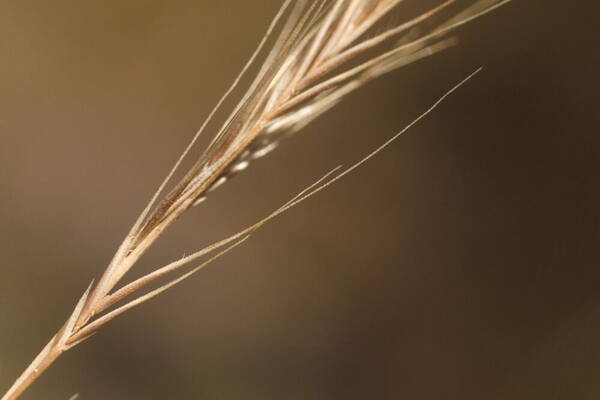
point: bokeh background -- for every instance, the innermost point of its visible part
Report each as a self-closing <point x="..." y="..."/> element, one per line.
<point x="461" y="263"/>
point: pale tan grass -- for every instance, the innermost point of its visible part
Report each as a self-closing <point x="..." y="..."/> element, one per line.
<point x="308" y="70"/>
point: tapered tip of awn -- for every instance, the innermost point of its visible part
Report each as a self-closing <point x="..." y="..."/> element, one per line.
<point x="318" y="186"/>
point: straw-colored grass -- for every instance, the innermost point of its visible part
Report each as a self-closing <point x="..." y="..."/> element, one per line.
<point x="324" y="50"/>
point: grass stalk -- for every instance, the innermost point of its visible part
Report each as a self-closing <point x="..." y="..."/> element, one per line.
<point x="307" y="71"/>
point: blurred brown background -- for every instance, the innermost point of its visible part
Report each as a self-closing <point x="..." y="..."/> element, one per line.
<point x="461" y="263"/>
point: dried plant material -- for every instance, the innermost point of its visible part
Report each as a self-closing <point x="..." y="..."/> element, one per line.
<point x="325" y="49"/>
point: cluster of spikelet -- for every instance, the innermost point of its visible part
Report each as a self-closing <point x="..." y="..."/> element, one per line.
<point x="324" y="50"/>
